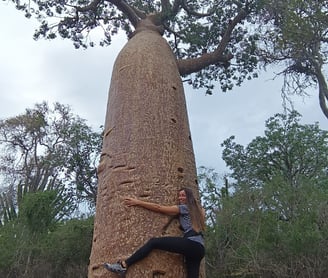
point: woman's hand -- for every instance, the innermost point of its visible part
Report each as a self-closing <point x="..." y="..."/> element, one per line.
<point x="128" y="201"/>
<point x="169" y="210"/>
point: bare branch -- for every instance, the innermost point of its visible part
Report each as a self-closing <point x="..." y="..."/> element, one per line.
<point x="323" y="103"/>
<point x="188" y="66"/>
<point x="323" y="88"/>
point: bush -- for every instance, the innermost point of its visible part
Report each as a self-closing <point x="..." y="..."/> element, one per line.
<point x="62" y="252"/>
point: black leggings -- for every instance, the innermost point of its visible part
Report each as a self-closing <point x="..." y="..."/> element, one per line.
<point x="193" y="252"/>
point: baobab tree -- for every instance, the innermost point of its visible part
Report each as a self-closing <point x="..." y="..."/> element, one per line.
<point x="147" y="148"/>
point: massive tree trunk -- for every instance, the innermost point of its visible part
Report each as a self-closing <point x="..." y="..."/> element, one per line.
<point x="147" y="153"/>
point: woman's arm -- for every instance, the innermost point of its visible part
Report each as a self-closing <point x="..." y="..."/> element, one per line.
<point x="169" y="210"/>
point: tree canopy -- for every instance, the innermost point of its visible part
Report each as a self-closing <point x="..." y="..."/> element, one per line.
<point x="296" y="153"/>
<point x="223" y="42"/>
<point x="298" y="40"/>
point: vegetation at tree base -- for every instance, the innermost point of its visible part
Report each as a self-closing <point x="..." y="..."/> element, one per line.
<point x="271" y="221"/>
<point x="47" y="167"/>
<point x="62" y="251"/>
<point x="267" y="218"/>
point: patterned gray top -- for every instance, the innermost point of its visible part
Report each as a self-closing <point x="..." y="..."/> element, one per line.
<point x="185" y="222"/>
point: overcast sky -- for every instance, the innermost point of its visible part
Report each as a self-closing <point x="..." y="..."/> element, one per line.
<point x="35" y="71"/>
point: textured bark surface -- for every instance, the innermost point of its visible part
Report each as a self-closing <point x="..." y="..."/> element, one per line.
<point x="147" y="153"/>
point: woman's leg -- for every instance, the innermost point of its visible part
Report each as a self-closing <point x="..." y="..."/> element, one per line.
<point x="171" y="244"/>
<point x="192" y="267"/>
<point x="193" y="260"/>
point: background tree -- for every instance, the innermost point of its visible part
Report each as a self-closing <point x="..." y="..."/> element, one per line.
<point x="215" y="195"/>
<point x="297" y="153"/>
<point x="38" y="214"/>
<point x="213" y="189"/>
<point x="297" y="39"/>
<point x="48" y="167"/>
<point x="143" y="125"/>
<point x="44" y="150"/>
<point x="273" y="222"/>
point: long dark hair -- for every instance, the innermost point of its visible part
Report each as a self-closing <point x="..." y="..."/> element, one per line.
<point x="195" y="210"/>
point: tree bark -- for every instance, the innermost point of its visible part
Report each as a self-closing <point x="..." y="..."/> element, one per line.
<point x="147" y="153"/>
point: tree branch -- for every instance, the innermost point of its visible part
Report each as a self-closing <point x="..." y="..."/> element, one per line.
<point x="323" y="89"/>
<point x="139" y="13"/>
<point x="127" y="10"/>
<point x="176" y="7"/>
<point x="92" y="6"/>
<point x="188" y="66"/>
<point x="169" y="11"/>
<point x="131" y="13"/>
<point x="191" y="12"/>
<point x="166" y="6"/>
